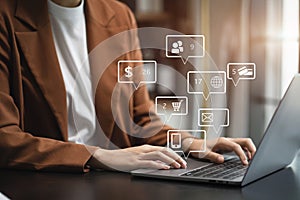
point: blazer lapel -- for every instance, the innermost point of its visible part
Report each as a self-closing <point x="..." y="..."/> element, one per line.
<point x="98" y="14"/>
<point x="45" y="66"/>
<point x="39" y="51"/>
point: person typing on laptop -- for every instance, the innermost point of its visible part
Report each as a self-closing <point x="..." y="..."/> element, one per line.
<point x="43" y="42"/>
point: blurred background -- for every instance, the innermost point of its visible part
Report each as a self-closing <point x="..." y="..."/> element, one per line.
<point x="265" y="32"/>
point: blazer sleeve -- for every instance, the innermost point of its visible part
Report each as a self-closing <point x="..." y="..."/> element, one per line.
<point x="22" y="150"/>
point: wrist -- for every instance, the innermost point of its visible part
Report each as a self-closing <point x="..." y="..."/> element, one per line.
<point x="95" y="162"/>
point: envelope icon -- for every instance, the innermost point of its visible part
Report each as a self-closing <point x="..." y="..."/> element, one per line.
<point x="207" y="117"/>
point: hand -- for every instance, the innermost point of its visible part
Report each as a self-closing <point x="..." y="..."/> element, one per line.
<point x="243" y="147"/>
<point x="145" y="156"/>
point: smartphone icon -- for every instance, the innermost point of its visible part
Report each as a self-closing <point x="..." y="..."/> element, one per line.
<point x="176" y="140"/>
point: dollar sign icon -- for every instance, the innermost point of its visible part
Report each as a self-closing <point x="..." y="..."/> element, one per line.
<point x="128" y="71"/>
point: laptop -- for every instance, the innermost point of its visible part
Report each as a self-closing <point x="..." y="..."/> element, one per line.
<point x="276" y="150"/>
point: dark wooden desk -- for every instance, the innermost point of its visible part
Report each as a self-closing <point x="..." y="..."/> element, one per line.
<point x="284" y="184"/>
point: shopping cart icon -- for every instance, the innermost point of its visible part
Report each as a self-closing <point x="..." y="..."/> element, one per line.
<point x="177" y="105"/>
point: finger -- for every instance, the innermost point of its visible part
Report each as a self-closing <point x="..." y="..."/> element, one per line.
<point x="157" y="155"/>
<point x="214" y="157"/>
<point x="168" y="152"/>
<point x="246" y="143"/>
<point x="238" y="150"/>
<point x="150" y="164"/>
<point x="248" y="153"/>
<point x="175" y="156"/>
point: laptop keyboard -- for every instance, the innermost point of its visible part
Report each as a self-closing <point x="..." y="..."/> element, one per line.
<point x="230" y="169"/>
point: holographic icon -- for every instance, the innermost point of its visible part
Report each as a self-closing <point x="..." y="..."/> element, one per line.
<point x="137" y="72"/>
<point x="185" y="46"/>
<point x="241" y="71"/>
<point x="213" y="117"/>
<point x="206" y="83"/>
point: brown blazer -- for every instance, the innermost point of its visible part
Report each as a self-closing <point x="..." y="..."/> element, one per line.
<point x="33" y="112"/>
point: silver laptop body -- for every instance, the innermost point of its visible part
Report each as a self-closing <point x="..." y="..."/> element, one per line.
<point x="276" y="150"/>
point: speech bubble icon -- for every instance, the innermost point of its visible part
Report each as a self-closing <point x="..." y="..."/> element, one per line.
<point x="241" y="71"/>
<point x="206" y="83"/>
<point x="185" y="46"/>
<point x="213" y="117"/>
<point x="171" y="105"/>
<point x="137" y="72"/>
<point x="175" y="138"/>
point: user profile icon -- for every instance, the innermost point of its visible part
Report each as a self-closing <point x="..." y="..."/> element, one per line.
<point x="177" y="47"/>
<point x="185" y="47"/>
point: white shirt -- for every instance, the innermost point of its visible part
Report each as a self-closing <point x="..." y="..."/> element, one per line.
<point x="69" y="34"/>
